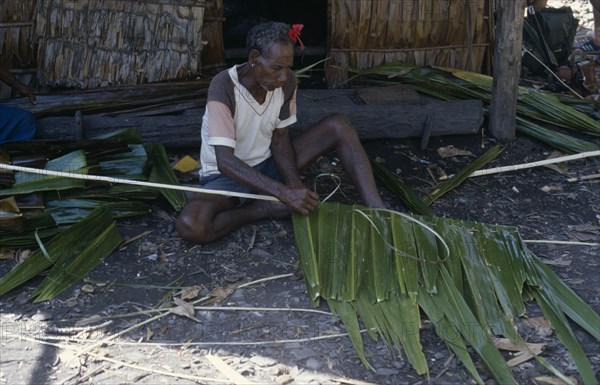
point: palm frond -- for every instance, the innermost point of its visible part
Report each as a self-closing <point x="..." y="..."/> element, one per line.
<point x="65" y="247"/>
<point x="163" y="173"/>
<point x="461" y="176"/>
<point x="534" y="107"/>
<point x="471" y="279"/>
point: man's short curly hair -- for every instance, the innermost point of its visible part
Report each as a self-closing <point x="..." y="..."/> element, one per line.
<point x="262" y="35"/>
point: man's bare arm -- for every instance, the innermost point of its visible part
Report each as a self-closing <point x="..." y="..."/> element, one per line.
<point x="283" y="154"/>
<point x="21" y="88"/>
<point x="297" y="198"/>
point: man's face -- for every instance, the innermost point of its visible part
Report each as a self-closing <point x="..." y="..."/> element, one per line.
<point x="273" y="66"/>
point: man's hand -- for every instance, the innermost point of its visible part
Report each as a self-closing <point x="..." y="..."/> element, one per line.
<point x="25" y="91"/>
<point x="19" y="87"/>
<point x="300" y="199"/>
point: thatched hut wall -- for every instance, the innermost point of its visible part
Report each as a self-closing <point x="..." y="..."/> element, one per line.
<point x="91" y="43"/>
<point x="16" y="41"/>
<point x="367" y="33"/>
<point x="213" y="50"/>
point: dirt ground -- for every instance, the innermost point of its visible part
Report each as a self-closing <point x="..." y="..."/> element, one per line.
<point x="114" y="314"/>
<point x="285" y="346"/>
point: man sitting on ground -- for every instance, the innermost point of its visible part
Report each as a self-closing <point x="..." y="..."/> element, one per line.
<point x="246" y="146"/>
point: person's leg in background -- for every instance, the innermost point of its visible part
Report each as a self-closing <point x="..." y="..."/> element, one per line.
<point x="593" y="45"/>
<point x="16" y="125"/>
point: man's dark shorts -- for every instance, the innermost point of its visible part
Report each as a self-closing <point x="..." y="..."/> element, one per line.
<point x="225" y="183"/>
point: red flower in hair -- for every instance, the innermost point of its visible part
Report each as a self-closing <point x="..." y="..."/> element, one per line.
<point x="295" y="34"/>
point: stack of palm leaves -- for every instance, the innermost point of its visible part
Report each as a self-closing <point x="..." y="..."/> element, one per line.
<point x="469" y="279"/>
<point x="69" y="221"/>
<point x="539" y="113"/>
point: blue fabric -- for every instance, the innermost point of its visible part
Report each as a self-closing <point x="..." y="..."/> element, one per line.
<point x="223" y="182"/>
<point x="16" y="124"/>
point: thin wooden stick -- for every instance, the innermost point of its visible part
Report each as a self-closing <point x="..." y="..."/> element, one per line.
<point x="550" y="242"/>
<point x="535" y="164"/>
<point x="133" y="182"/>
<point x="585" y="177"/>
<point x="552" y="72"/>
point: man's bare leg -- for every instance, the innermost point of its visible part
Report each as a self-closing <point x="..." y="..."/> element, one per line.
<point x="207" y="217"/>
<point x="335" y="132"/>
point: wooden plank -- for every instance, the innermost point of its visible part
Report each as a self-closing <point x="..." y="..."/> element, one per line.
<point x="401" y="120"/>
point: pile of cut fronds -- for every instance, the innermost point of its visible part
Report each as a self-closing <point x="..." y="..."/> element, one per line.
<point x="71" y="221"/>
<point x="538" y="112"/>
<point x="471" y="280"/>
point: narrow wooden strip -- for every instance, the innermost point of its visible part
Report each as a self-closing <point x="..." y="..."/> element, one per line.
<point x="535" y="164"/>
<point x="134" y="182"/>
<point x="225" y="369"/>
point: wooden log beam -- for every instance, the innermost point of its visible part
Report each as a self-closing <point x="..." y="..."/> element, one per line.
<point x="400" y="120"/>
<point x="507" y="68"/>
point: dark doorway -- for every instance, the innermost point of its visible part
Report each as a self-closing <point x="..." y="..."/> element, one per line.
<point x="241" y="15"/>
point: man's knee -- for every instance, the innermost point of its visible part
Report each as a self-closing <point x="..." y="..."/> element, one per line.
<point x="191" y="229"/>
<point x="340" y="126"/>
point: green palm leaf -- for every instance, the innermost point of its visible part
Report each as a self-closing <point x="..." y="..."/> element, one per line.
<point x="534" y="107"/>
<point x="469" y="278"/>
<point x="26" y="183"/>
<point x="461" y="176"/>
<point x="65" y="246"/>
<point x="71" y="267"/>
<point x="163" y="173"/>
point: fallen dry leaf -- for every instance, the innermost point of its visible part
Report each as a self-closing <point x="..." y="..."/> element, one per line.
<point x="451" y="151"/>
<point x="561" y="261"/>
<point x="7" y="254"/>
<point x="184" y="309"/>
<point x="22" y="255"/>
<point x="551" y="188"/>
<point x="190" y="292"/>
<point x="581" y="237"/>
<point x="540" y="324"/>
<point x="560" y="168"/>
<point x="149" y="334"/>
<point x="523" y="353"/>
<point x="555" y="380"/>
<point x="219" y="294"/>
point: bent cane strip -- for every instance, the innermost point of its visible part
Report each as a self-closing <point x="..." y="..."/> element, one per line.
<point x="134" y="182"/>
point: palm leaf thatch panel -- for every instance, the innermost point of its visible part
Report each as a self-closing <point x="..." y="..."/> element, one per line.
<point x="16" y="35"/>
<point x="213" y="50"/>
<point x="367" y="33"/>
<point x="92" y="43"/>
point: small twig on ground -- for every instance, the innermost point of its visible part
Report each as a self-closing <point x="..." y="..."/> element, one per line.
<point x="216" y="343"/>
<point x="76" y="329"/>
<point x="267" y="279"/>
<point x="585" y="177"/>
<point x="166" y="311"/>
<point x="92" y="373"/>
<point x="135" y="238"/>
<point x="253" y="309"/>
